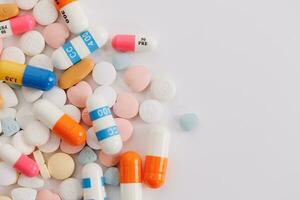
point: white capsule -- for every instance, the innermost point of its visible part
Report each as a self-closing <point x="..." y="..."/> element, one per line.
<point x="93" y="182"/>
<point x="104" y="125"/>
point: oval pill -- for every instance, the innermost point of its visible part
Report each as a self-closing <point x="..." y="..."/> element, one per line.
<point x="133" y="43"/>
<point x="13" y="54"/>
<point x="17" y="25"/>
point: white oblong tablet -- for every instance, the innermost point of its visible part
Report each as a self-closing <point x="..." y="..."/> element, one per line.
<point x="31" y="94"/>
<point x="25" y="115"/>
<point x="13" y="54"/>
<point x="32" y="43"/>
<point x="30" y="182"/>
<point x="8" y="95"/>
<point x="36" y="133"/>
<point x="104" y="73"/>
<point x="70" y="189"/>
<point x="26" y="4"/>
<point x="57" y="96"/>
<point x="52" y="144"/>
<point x="8" y="176"/>
<point x="108" y="93"/>
<point x="18" y="141"/>
<point x="45" y="12"/>
<point x="23" y="194"/>
<point x="72" y="111"/>
<point x="151" y="111"/>
<point x="163" y="89"/>
<point x="42" y="61"/>
<point x="8" y="112"/>
<point x="70" y="149"/>
<point x="92" y="140"/>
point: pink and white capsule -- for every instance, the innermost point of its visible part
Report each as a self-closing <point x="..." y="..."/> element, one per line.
<point x="133" y="43"/>
<point x="17" y="25"/>
<point x="19" y="161"/>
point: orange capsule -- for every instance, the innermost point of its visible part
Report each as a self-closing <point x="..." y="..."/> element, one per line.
<point x="131" y="176"/>
<point x="8" y="11"/>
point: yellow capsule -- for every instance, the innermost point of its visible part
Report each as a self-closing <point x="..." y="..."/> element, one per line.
<point x="8" y="11"/>
<point x="11" y="72"/>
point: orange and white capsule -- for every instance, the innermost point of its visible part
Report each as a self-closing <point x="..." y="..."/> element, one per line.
<point x="157" y="157"/>
<point x="131" y="176"/>
<point x="59" y="122"/>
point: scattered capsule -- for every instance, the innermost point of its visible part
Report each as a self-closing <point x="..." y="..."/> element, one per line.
<point x="93" y="182"/>
<point x="157" y="157"/>
<point x="73" y="15"/>
<point x="59" y="122"/>
<point x="8" y="10"/>
<point x="133" y="43"/>
<point x="27" y="75"/>
<point x="131" y="176"/>
<point x="79" y="48"/>
<point x="19" y="161"/>
<point x="104" y="125"/>
<point x="17" y="25"/>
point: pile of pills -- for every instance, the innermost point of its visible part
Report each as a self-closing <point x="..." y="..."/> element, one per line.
<point x="60" y="111"/>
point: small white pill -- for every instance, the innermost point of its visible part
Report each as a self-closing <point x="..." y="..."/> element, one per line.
<point x="92" y="140"/>
<point x="8" y="112"/>
<point x="41" y="61"/>
<point x="30" y="182"/>
<point x="70" y="189"/>
<point x="23" y="194"/>
<point x="36" y="133"/>
<point x="32" y="43"/>
<point x="25" y="115"/>
<point x="108" y="93"/>
<point x="72" y="111"/>
<point x="13" y="54"/>
<point x="151" y="111"/>
<point x="45" y="12"/>
<point x="18" y="141"/>
<point x="163" y="89"/>
<point x="8" y="176"/>
<point x="31" y="94"/>
<point x="26" y="4"/>
<point x="57" y="96"/>
<point x="52" y="144"/>
<point x="104" y="73"/>
<point x="9" y="96"/>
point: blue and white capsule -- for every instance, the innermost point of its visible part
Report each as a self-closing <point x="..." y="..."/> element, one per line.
<point x="93" y="182"/>
<point x="79" y="48"/>
<point x="104" y="125"/>
<point x="27" y="75"/>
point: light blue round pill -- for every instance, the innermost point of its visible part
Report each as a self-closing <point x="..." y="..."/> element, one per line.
<point x="87" y="155"/>
<point x="9" y="126"/>
<point x="111" y="176"/>
<point x="189" y="121"/>
<point x="121" y="61"/>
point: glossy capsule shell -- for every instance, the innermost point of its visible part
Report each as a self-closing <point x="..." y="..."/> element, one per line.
<point x="19" y="161"/>
<point x="59" y="122"/>
<point x="73" y="15"/>
<point x="104" y="125"/>
<point x="8" y="10"/>
<point x="17" y="26"/>
<point x="27" y="75"/>
<point x="93" y="182"/>
<point x="131" y="176"/>
<point x="157" y="157"/>
<point x="133" y="43"/>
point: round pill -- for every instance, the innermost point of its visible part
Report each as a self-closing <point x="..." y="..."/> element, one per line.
<point x="104" y="73"/>
<point x="121" y="61"/>
<point x="108" y="93"/>
<point x="111" y="176"/>
<point x="72" y="111"/>
<point x="18" y="141"/>
<point x="151" y="111"/>
<point x="137" y="78"/>
<point x="25" y="115"/>
<point x="109" y="160"/>
<point x="9" y="126"/>
<point x="163" y="89"/>
<point x="32" y="43"/>
<point x="78" y="94"/>
<point x="7" y="112"/>
<point x="55" y="169"/>
<point x="41" y="61"/>
<point x="56" y="95"/>
<point x="70" y="149"/>
<point x="45" y="12"/>
<point x="92" y="140"/>
<point x="189" y="121"/>
<point x="13" y="54"/>
<point x="125" y="127"/>
<point x="30" y="182"/>
<point x="9" y="97"/>
<point x="87" y="155"/>
<point x="70" y="189"/>
<point x="45" y="194"/>
<point x="86" y="117"/>
<point x="56" y="34"/>
<point x="8" y="176"/>
<point x="126" y="106"/>
<point x="23" y="194"/>
<point x="4" y="198"/>
<point x="31" y="94"/>
<point x="36" y="133"/>
<point x="26" y="4"/>
<point x="52" y="144"/>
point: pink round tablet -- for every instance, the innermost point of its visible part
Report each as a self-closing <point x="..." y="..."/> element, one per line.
<point x="126" y="106"/>
<point x="137" y="78"/>
<point x="78" y="94"/>
<point x="109" y="160"/>
<point x="86" y="117"/>
<point x="125" y="127"/>
<point x="46" y="195"/>
<point x="56" y="34"/>
<point x="70" y="149"/>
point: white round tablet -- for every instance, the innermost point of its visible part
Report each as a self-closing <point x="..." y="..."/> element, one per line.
<point x="8" y="95"/>
<point x="108" y="93"/>
<point x="30" y="182"/>
<point x="32" y="43"/>
<point x="18" y="141"/>
<point x="23" y="194"/>
<point x="72" y="111"/>
<point x="26" y="4"/>
<point x="41" y="61"/>
<point x="70" y="189"/>
<point x="92" y="140"/>
<point x="151" y="111"/>
<point x="104" y="73"/>
<point x="36" y="133"/>
<point x="45" y="12"/>
<point x="13" y="54"/>
<point x="52" y="144"/>
<point x="25" y="115"/>
<point x="57" y="96"/>
<point x="70" y="149"/>
<point x="8" y="175"/>
<point x="8" y="112"/>
<point x="163" y="89"/>
<point x="31" y="94"/>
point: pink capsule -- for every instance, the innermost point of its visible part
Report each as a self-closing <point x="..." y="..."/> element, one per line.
<point x="17" y="25"/>
<point x="133" y="43"/>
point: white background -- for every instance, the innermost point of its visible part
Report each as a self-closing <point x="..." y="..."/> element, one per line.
<point x="236" y="64"/>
